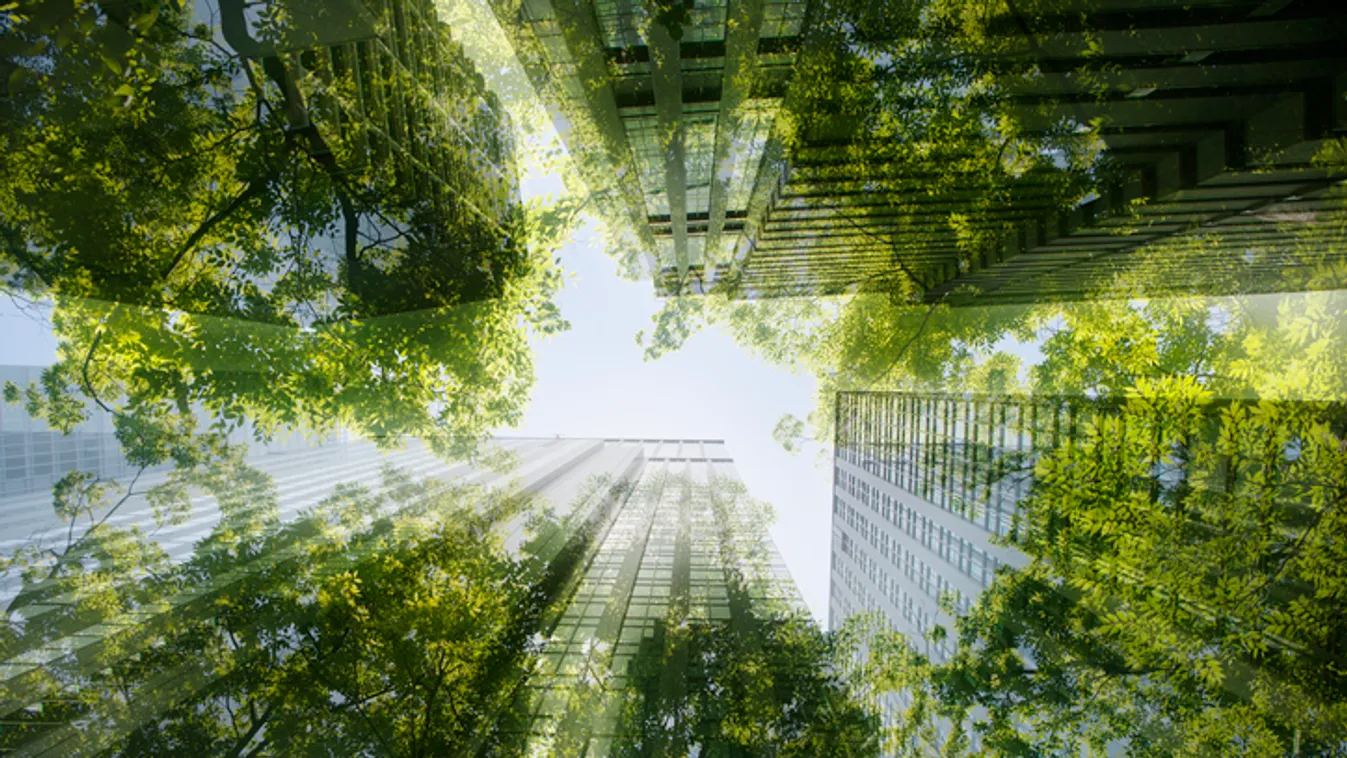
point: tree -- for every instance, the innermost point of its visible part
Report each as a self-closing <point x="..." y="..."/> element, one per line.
<point x="769" y="687"/>
<point x="388" y="621"/>
<point x="1183" y="593"/>
<point x="1184" y="588"/>
<point x="220" y="233"/>
<point x="98" y="591"/>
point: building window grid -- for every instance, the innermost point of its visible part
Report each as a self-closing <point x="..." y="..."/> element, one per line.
<point x="961" y="554"/>
<point x="926" y="455"/>
<point x="956" y="551"/>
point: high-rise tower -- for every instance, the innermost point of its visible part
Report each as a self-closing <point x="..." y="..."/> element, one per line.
<point x="669" y="108"/>
<point x="685" y="553"/>
<point x="769" y="149"/>
<point x="921" y="485"/>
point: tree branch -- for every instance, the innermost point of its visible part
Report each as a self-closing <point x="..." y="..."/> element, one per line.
<point x="25" y="596"/>
<point x="1293" y="551"/>
<point x="84" y="368"/>
<point x="248" y="736"/>
<point x="889" y="243"/>
<point x="254" y="188"/>
<point x="130" y="490"/>
<point x="910" y="340"/>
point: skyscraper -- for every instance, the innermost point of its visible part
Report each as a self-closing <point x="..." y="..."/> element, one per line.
<point x="628" y="542"/>
<point x="921" y="485"/>
<point x="685" y="549"/>
<point x="1210" y="128"/>
<point x="668" y="113"/>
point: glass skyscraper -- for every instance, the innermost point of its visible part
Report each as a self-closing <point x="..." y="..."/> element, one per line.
<point x="670" y="115"/>
<point x="685" y="548"/>
<point x="689" y="122"/>
<point x="922" y="483"/>
<point x="627" y="540"/>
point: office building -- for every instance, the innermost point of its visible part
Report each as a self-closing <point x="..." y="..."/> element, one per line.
<point x="1213" y="122"/>
<point x="668" y="115"/>
<point x="683" y="547"/>
<point x="922" y="483"/>
<point x="638" y="529"/>
<point x="33" y="456"/>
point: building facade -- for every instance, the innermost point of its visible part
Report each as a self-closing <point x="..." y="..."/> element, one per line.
<point x="669" y="114"/>
<point x="33" y="456"/>
<point x="636" y="533"/>
<point x="922" y="485"/>
<point x="1211" y="123"/>
<point x="685" y="548"/>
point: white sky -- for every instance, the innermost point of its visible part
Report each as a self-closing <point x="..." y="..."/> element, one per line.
<point x="593" y="382"/>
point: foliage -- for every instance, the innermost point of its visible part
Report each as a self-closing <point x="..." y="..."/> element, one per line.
<point x="207" y="250"/>
<point x="390" y="621"/>
<point x="765" y="687"/>
<point x="764" y="682"/>
<point x="1183" y="594"/>
<point x="789" y="433"/>
<point x="1184" y="589"/>
<point x="1178" y="598"/>
<point x="919" y="94"/>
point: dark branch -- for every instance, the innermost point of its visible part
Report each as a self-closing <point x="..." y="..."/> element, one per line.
<point x="255" y="188"/>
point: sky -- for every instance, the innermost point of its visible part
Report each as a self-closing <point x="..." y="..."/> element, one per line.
<point x="593" y="382"/>
<point x="25" y="337"/>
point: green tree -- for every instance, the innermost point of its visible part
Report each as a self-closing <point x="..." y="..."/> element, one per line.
<point x="96" y="592"/>
<point x="388" y="621"/>
<point x="1183" y="593"/>
<point x="1184" y="584"/>
<point x="771" y="686"/>
<point x="233" y="234"/>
